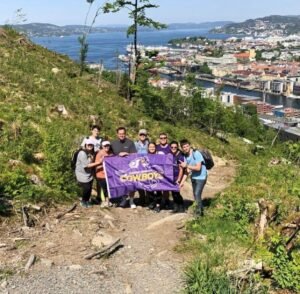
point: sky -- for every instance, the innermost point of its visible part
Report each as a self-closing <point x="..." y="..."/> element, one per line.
<point x="64" y="12"/>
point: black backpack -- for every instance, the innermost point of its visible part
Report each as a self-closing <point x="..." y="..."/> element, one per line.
<point x="208" y="160"/>
<point x="75" y="155"/>
<point x="74" y="158"/>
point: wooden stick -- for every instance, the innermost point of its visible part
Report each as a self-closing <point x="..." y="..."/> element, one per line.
<point x="105" y="251"/>
<point x="25" y="216"/>
<point x="60" y="215"/>
<point x="30" y="262"/>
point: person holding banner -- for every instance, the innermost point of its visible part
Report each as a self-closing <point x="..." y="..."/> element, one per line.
<point x="100" y="173"/>
<point x="123" y="147"/>
<point x="178" y="157"/>
<point x="142" y="148"/>
<point x="194" y="164"/>
<point x="164" y="148"/>
<point x="155" y="196"/>
<point x="84" y="171"/>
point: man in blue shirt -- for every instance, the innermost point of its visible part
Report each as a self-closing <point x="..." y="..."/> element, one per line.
<point x="195" y="165"/>
<point x="142" y="148"/>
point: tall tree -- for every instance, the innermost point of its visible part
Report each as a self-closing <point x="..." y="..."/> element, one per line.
<point x="83" y="38"/>
<point x="137" y="12"/>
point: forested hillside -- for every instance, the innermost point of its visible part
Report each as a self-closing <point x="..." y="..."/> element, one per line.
<point x="248" y="239"/>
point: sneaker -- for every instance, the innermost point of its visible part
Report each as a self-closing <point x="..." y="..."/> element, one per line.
<point x="175" y="208"/>
<point x="198" y="213"/>
<point x="97" y="201"/>
<point x="84" y="204"/>
<point x="89" y="204"/>
<point x="123" y="203"/>
<point x="152" y="205"/>
<point x="104" y="204"/>
<point x="181" y="208"/>
<point x="157" y="209"/>
<point x="132" y="205"/>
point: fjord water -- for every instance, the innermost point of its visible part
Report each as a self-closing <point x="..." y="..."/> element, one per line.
<point x="106" y="47"/>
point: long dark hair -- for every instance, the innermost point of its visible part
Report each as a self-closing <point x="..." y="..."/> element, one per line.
<point x="152" y="143"/>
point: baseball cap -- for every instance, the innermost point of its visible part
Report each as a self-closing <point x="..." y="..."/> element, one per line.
<point x="104" y="143"/>
<point x="143" y="131"/>
<point x="89" y="142"/>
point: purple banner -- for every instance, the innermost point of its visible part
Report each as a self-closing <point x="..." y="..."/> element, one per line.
<point x="150" y="172"/>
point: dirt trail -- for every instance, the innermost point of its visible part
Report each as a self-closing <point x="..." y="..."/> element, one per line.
<point x="146" y="262"/>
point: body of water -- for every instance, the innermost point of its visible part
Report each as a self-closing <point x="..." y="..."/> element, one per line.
<point x="106" y="47"/>
<point x="269" y="98"/>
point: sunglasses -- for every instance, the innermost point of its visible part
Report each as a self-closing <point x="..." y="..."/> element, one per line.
<point x="163" y="138"/>
<point x="143" y="135"/>
<point x="106" y="146"/>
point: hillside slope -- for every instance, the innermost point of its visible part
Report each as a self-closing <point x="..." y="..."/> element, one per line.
<point x="46" y="109"/>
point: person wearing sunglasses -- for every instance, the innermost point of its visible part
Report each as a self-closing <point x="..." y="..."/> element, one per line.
<point x="163" y="147"/>
<point x="100" y="173"/>
<point x="178" y="157"/>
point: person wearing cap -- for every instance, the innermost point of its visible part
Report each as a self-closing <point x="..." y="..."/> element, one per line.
<point x="142" y="148"/>
<point x="100" y="173"/>
<point x="142" y="144"/>
<point x="84" y="171"/>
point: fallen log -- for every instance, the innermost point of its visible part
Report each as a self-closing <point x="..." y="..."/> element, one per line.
<point x="107" y="250"/>
<point x="289" y="244"/>
<point x="25" y="216"/>
<point x="60" y="215"/>
<point x="30" y="262"/>
<point x="251" y="267"/>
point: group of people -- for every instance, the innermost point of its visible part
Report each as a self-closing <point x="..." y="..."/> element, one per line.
<point x="186" y="161"/>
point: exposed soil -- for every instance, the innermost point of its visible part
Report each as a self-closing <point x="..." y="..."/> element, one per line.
<point x="145" y="263"/>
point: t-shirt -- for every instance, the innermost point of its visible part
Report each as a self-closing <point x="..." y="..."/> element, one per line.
<point x="83" y="174"/>
<point x="96" y="141"/>
<point x="193" y="159"/>
<point x="100" y="174"/>
<point x="123" y="146"/>
<point x="141" y="148"/>
<point x="165" y="149"/>
<point x="177" y="158"/>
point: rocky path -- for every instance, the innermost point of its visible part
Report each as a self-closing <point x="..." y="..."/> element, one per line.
<point x="146" y="261"/>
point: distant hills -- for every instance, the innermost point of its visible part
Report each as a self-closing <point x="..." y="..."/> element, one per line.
<point x="265" y="26"/>
<point x="46" y="29"/>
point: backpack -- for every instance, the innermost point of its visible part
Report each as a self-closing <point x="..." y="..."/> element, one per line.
<point x="208" y="160"/>
<point x="75" y="155"/>
<point x="74" y="158"/>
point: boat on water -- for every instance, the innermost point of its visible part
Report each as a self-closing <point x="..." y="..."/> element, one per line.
<point x="218" y="81"/>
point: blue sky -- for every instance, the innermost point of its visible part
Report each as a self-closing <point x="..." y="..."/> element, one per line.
<point x="63" y="12"/>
